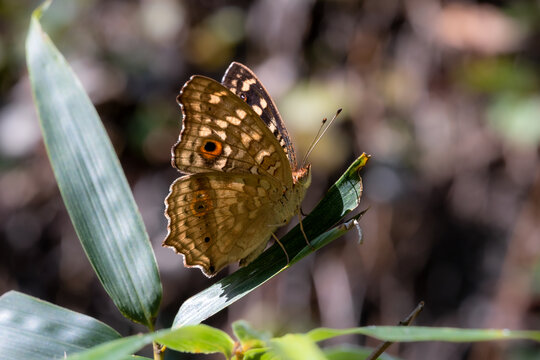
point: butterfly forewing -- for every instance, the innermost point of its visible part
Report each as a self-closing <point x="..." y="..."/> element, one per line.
<point x="222" y="133"/>
<point x="240" y="80"/>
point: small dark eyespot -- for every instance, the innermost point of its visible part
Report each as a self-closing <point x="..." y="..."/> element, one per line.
<point x="206" y="239"/>
<point x="210" y="146"/>
<point x="243" y="96"/>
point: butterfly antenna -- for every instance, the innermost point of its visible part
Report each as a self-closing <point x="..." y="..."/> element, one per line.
<point x="319" y="135"/>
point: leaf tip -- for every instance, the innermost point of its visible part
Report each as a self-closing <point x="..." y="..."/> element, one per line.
<point x="41" y="8"/>
<point x="357" y="165"/>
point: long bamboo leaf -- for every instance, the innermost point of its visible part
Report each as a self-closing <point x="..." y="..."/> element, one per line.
<point x="342" y="197"/>
<point x="424" y="333"/>
<point x="91" y="181"/>
<point x="34" y="329"/>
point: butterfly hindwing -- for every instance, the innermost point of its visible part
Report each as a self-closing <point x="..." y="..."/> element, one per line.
<point x="240" y="80"/>
<point x="222" y="133"/>
<point x="217" y="218"/>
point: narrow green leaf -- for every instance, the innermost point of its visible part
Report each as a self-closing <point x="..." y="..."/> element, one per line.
<point x="91" y="181"/>
<point x="423" y="333"/>
<point x="349" y="352"/>
<point x="343" y="197"/>
<point x="34" y="329"/>
<point x="193" y="339"/>
<point x="296" y="347"/>
<point x="113" y="350"/>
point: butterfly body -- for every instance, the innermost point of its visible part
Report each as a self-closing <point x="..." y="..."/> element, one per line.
<point x="242" y="180"/>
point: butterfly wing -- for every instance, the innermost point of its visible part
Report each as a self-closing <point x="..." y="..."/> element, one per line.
<point x="222" y="133"/>
<point x="240" y="80"/>
<point x="240" y="186"/>
<point x="218" y="218"/>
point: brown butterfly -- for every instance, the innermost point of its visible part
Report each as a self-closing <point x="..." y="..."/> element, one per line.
<point x="242" y="179"/>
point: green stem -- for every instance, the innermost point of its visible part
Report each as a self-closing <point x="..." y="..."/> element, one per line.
<point x="158" y="350"/>
<point x="408" y="320"/>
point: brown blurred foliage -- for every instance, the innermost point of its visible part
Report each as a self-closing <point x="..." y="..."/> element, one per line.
<point x="444" y="95"/>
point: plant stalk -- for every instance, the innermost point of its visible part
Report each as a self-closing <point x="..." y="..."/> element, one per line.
<point x="406" y="322"/>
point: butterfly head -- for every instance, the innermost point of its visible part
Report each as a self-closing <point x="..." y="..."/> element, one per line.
<point x="302" y="176"/>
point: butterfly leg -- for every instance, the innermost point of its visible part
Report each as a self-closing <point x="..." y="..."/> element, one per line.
<point x="282" y="247"/>
<point x="303" y="232"/>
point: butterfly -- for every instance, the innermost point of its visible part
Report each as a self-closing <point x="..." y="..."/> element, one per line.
<point x="241" y="178"/>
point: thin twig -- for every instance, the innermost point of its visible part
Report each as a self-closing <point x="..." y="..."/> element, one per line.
<point x="406" y="322"/>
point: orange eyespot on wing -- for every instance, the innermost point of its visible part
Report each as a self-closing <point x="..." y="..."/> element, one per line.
<point x="201" y="203"/>
<point x="211" y="149"/>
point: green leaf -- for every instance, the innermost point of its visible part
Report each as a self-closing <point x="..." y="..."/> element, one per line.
<point x="249" y="338"/>
<point x="349" y="352"/>
<point x="296" y="347"/>
<point x="198" y="339"/>
<point x="193" y="339"/>
<point x="424" y="333"/>
<point x="91" y="181"/>
<point x="259" y="354"/>
<point x="343" y="197"/>
<point x="113" y="350"/>
<point x="34" y="329"/>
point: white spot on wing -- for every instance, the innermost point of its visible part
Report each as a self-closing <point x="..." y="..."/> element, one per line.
<point x="222" y="123"/>
<point x="257" y="109"/>
<point x="247" y="84"/>
<point x="261" y="155"/>
<point x="214" y="99"/>
<point x="221" y="134"/>
<point x="233" y="120"/>
<point x="204" y="131"/>
<point x="241" y="113"/>
<point x="220" y="163"/>
<point x="246" y="140"/>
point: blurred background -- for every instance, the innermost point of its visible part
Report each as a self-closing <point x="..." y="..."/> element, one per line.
<point x="443" y="94"/>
